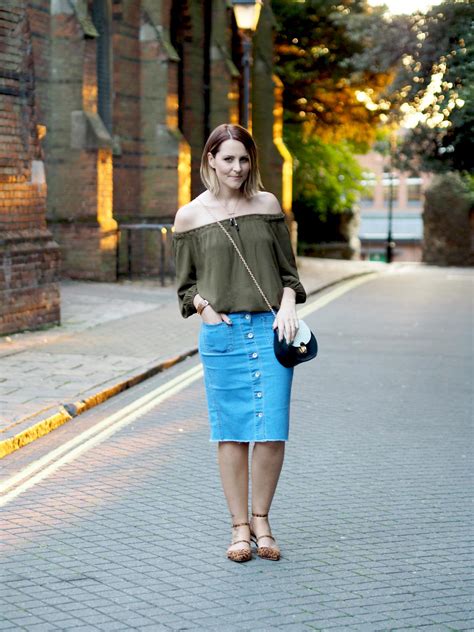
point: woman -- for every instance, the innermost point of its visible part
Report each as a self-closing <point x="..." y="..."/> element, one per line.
<point x="248" y="391"/>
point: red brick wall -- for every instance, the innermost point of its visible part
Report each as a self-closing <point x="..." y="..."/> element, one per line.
<point x="126" y="111"/>
<point x="38" y="14"/>
<point x="29" y="296"/>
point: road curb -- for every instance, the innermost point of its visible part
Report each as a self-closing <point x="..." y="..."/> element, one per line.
<point x="67" y="412"/>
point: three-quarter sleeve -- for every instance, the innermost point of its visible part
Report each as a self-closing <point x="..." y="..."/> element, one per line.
<point x="185" y="274"/>
<point x="286" y="259"/>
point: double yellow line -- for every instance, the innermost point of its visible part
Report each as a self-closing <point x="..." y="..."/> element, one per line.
<point x="40" y="469"/>
<point x="45" y="466"/>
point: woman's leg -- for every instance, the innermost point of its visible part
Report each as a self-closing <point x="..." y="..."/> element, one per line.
<point x="234" y="468"/>
<point x="267" y="461"/>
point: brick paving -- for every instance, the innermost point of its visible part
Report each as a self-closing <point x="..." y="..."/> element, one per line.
<point x="373" y="511"/>
<point x="109" y="334"/>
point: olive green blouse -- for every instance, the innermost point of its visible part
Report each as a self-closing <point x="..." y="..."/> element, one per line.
<point x="207" y="263"/>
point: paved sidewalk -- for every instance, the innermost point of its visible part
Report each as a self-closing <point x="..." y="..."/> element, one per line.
<point x="112" y="336"/>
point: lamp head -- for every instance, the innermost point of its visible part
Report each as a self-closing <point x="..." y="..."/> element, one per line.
<point x="247" y="13"/>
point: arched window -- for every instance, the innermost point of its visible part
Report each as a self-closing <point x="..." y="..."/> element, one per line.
<point x="101" y="16"/>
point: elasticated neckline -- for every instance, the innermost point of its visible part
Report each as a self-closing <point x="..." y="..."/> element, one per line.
<point x="269" y="217"/>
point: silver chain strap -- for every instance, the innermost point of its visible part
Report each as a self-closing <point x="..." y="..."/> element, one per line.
<point x="229" y="236"/>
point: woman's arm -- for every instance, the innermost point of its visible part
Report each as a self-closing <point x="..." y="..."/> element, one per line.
<point x="286" y="319"/>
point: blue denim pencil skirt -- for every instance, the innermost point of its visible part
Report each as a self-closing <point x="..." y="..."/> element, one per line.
<point x="248" y="391"/>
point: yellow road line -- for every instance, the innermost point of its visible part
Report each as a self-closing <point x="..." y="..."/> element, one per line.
<point x="65" y="414"/>
<point x="40" y="469"/>
<point x="338" y="291"/>
<point x="48" y="464"/>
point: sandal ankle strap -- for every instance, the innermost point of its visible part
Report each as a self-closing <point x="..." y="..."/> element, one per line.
<point x="254" y="515"/>
<point x="265" y="536"/>
<point x="240" y="524"/>
<point x="239" y="541"/>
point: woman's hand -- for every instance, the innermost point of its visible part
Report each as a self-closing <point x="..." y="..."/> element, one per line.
<point x="209" y="314"/>
<point x="286" y="319"/>
<point x="211" y="317"/>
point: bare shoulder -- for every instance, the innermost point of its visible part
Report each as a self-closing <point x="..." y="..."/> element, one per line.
<point x="187" y="217"/>
<point x="267" y="203"/>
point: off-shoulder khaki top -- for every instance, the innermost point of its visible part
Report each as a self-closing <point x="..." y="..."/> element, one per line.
<point x="206" y="263"/>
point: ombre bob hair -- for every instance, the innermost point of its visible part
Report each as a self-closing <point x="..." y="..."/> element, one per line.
<point x="253" y="182"/>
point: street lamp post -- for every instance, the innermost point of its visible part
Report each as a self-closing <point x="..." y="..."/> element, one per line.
<point x="390" y="242"/>
<point x="247" y="14"/>
<point x="246" y="62"/>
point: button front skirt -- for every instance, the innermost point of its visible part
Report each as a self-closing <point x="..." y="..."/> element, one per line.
<point x="248" y="391"/>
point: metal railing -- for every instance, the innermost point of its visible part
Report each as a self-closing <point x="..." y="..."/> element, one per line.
<point x="136" y="237"/>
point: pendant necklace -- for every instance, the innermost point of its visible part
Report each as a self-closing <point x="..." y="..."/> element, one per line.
<point x="231" y="214"/>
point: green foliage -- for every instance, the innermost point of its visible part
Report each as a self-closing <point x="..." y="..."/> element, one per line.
<point x="437" y="80"/>
<point x="327" y="179"/>
<point x="468" y="180"/>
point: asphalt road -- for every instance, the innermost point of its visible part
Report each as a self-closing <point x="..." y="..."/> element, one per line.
<point x="373" y="512"/>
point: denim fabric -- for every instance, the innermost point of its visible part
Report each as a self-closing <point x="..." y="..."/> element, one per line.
<point x="248" y="390"/>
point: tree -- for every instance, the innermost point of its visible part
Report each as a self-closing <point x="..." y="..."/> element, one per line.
<point x="436" y="83"/>
<point x="432" y="89"/>
<point x="317" y="42"/>
<point x="327" y="180"/>
<point x="326" y="120"/>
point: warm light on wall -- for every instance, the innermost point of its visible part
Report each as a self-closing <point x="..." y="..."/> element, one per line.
<point x="108" y="242"/>
<point x="277" y="119"/>
<point x="105" y="190"/>
<point x="172" y="106"/>
<point x="89" y="97"/>
<point x="184" y="173"/>
<point x="12" y="179"/>
<point x="287" y="168"/>
<point x="41" y="131"/>
<point x="233" y="100"/>
<point x="184" y="151"/>
<point x="286" y="176"/>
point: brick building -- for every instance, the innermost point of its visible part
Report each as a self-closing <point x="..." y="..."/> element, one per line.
<point x="127" y="91"/>
<point x="29" y="258"/>
<point x="407" y="192"/>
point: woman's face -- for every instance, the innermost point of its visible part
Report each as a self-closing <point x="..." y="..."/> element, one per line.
<point x="231" y="163"/>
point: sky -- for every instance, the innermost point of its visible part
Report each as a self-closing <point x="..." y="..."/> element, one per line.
<point x="404" y="6"/>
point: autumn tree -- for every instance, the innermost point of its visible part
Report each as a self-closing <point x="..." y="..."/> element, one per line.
<point x="327" y="115"/>
<point x="316" y="42"/>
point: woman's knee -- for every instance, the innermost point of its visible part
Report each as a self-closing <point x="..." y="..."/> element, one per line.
<point x="270" y="447"/>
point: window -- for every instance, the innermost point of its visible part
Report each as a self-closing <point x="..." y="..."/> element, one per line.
<point x="390" y="184"/>
<point x="414" y="191"/>
<point x="367" y="196"/>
